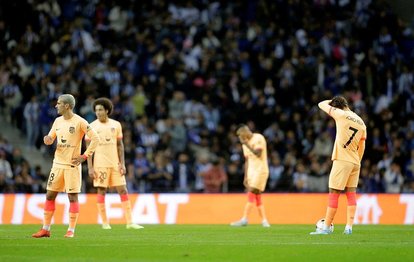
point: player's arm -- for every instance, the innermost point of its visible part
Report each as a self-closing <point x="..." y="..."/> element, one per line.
<point x="246" y="166"/>
<point x="324" y="105"/>
<point x="93" y="143"/>
<point x="91" y="170"/>
<point x="121" y="155"/>
<point x="51" y="136"/>
<point x="87" y="129"/>
<point x="361" y="147"/>
<point x="256" y="151"/>
<point x="330" y="110"/>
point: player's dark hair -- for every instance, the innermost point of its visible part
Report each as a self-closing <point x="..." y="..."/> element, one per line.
<point x="105" y="102"/>
<point x="339" y="102"/>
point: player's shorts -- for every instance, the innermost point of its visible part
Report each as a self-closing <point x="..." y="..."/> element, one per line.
<point x="65" y="180"/>
<point x="344" y="174"/>
<point x="108" y="177"/>
<point x="258" y="181"/>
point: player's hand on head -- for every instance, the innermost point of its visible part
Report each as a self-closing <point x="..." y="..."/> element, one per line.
<point x="243" y="140"/>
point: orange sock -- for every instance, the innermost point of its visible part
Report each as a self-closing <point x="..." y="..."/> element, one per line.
<point x="102" y="208"/>
<point x="332" y="207"/>
<point x="126" y="206"/>
<point x="73" y="215"/>
<point x="49" y="210"/>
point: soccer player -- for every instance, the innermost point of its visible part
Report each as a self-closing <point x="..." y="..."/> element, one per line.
<point x="348" y="150"/>
<point x="256" y="172"/>
<point x="107" y="165"/>
<point x="65" y="175"/>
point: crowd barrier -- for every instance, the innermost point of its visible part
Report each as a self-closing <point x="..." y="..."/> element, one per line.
<point x="210" y="208"/>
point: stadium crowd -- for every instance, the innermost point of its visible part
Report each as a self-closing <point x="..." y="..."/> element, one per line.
<point x="182" y="75"/>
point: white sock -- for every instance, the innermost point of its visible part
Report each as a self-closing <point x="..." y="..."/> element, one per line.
<point x="71" y="229"/>
<point x="46" y="227"/>
<point x="348" y="227"/>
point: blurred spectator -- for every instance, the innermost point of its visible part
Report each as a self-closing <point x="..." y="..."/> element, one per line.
<point x="31" y="115"/>
<point x="24" y="182"/>
<point x="5" y="168"/>
<point x="214" y="177"/>
<point x="301" y="178"/>
<point x="183" y="174"/>
<point x="160" y="177"/>
<point x="393" y="179"/>
<point x="275" y="172"/>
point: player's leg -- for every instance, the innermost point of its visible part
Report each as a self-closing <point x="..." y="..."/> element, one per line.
<point x="101" y="192"/>
<point x="338" y="178"/>
<point x="261" y="209"/>
<point x="350" y="212"/>
<point x="55" y="184"/>
<point x="126" y="206"/>
<point x="101" y="182"/>
<point x="251" y="198"/>
<point x="73" y="214"/>
<point x="333" y="198"/>
<point x="351" y="199"/>
<point x="258" y="186"/>
<point x="49" y="210"/>
<point x="118" y="180"/>
<point x="73" y="183"/>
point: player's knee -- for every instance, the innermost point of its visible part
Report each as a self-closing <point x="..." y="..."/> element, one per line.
<point x="73" y="197"/>
<point x="258" y="200"/>
<point x="333" y="200"/>
<point x="351" y="197"/>
<point x="251" y="197"/>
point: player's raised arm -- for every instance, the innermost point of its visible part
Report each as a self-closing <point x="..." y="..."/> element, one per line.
<point x="331" y="108"/>
<point x="324" y="105"/>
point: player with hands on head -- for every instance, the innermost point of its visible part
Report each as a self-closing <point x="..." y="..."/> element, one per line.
<point x="66" y="172"/>
<point x="107" y="164"/>
<point x="348" y="150"/>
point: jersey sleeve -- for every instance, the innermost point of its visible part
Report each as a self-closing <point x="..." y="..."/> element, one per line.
<point x="52" y="132"/>
<point x="119" y="134"/>
<point x="330" y="110"/>
<point x="94" y="138"/>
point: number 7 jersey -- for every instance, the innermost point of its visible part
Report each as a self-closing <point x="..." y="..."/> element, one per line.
<point x="350" y="130"/>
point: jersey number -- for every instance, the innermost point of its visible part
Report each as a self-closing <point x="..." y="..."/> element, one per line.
<point x="354" y="130"/>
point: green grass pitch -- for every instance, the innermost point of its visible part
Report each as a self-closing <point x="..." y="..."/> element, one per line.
<point x="208" y="243"/>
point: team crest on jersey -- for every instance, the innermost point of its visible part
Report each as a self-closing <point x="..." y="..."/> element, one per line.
<point x="113" y="129"/>
<point x="72" y="129"/>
